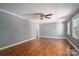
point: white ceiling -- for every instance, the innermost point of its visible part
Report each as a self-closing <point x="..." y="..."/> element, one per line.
<point x="57" y="9"/>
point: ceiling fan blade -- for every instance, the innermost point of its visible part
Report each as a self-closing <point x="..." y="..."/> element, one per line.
<point x="38" y="13"/>
<point x="48" y="14"/>
<point x="47" y="17"/>
<point x="41" y="17"/>
<point x="34" y="14"/>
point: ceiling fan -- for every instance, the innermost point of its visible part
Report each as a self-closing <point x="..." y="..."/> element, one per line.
<point x="42" y="15"/>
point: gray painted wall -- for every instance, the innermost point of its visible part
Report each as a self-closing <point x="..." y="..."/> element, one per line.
<point x="14" y="29"/>
<point x="52" y="30"/>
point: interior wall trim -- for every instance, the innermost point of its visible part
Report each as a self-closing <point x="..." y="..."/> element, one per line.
<point x="11" y="13"/>
<point x="17" y="43"/>
<point x="53" y="37"/>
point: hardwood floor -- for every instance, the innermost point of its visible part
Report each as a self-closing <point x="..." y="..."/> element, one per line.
<point x="42" y="47"/>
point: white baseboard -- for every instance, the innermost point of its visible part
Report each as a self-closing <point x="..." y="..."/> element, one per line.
<point x="53" y="37"/>
<point x="73" y="45"/>
<point x="17" y="43"/>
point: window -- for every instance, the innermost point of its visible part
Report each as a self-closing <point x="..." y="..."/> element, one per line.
<point x="75" y="27"/>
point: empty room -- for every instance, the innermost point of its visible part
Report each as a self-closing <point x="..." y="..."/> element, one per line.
<point x="39" y="29"/>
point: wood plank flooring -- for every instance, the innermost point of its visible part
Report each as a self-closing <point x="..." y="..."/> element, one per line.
<point x="42" y="47"/>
